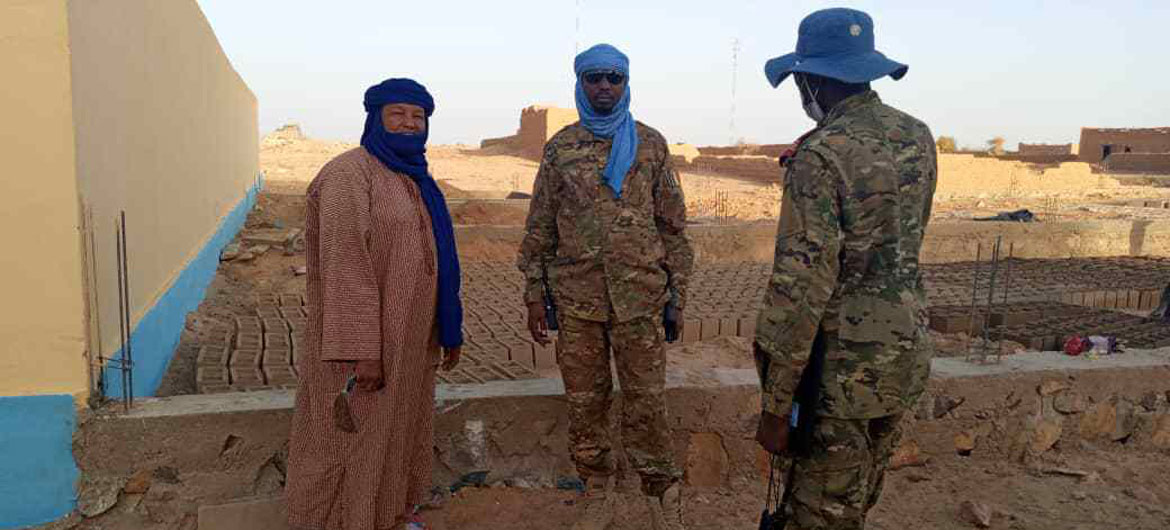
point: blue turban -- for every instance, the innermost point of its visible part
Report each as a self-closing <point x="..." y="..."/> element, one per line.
<point x="618" y="124"/>
<point x="407" y="154"/>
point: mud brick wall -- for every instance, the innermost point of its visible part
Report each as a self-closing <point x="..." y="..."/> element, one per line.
<point x="1158" y="163"/>
<point x="756" y="168"/>
<point x="1045" y="149"/>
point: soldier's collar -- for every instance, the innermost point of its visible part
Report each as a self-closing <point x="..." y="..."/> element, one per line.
<point x="851" y="103"/>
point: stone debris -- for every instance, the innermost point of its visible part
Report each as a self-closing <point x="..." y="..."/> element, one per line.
<point x="965" y="443"/>
<point x="975" y="513"/>
<point x="230" y="252"/>
<point x="908" y="454"/>
<point x="98" y="496"/>
<point x="1045" y="435"/>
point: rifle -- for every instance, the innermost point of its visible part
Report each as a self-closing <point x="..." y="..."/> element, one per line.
<point x="550" y="305"/>
<point x="670" y="317"/>
<point x="801" y="425"/>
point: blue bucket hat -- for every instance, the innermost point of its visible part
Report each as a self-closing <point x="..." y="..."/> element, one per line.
<point x="835" y="43"/>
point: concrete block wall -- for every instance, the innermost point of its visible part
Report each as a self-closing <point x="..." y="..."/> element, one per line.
<point x="110" y="107"/>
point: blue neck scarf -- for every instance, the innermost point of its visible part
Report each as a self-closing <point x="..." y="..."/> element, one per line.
<point x="407" y="154"/>
<point x="619" y="123"/>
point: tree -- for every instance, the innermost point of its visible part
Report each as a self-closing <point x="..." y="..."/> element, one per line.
<point x="946" y="144"/>
<point x="996" y="145"/>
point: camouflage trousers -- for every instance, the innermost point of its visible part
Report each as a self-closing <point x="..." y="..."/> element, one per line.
<point x="841" y="478"/>
<point x="583" y="353"/>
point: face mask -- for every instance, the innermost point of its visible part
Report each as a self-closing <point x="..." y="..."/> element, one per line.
<point x="812" y="108"/>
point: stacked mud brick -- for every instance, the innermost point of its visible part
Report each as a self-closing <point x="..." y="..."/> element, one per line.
<point x="497" y="344"/>
<point x="261" y="353"/>
<point x="723" y="302"/>
<point x="1115" y="283"/>
<point x="1052" y="330"/>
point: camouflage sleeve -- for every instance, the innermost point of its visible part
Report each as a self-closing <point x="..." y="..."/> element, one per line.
<point x="539" y="246"/>
<point x="670" y="214"/>
<point x="804" y="276"/>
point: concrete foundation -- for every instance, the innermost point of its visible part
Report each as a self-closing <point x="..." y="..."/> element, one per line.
<point x="228" y="447"/>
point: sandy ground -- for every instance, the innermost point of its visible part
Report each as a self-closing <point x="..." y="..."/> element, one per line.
<point x="469" y="173"/>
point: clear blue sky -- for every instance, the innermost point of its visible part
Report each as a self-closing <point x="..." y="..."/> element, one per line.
<point x="1030" y="71"/>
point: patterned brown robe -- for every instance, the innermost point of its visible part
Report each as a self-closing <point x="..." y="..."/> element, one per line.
<point x="371" y="295"/>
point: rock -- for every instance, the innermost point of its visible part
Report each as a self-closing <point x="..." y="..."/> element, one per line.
<point x="300" y="271"/>
<point x="1052" y="386"/>
<point x="908" y="454"/>
<point x="1160" y="436"/>
<point x="1070" y="403"/>
<point x="269" y="478"/>
<point x="139" y="482"/>
<point x="1045" y="435"/>
<point x="245" y="257"/>
<point x="1093" y="478"/>
<point x="1112" y="419"/>
<point x="1079" y="495"/>
<point x="975" y="513"/>
<point x="230" y="252"/>
<point x="944" y="404"/>
<point x="521" y="483"/>
<point x="707" y="461"/>
<point x="964" y="443"/>
<point x="1153" y="401"/>
<point x="98" y="496"/>
<point x="258" y="250"/>
<point x="1142" y="495"/>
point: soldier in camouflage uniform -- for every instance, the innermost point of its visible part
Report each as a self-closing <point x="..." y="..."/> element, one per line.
<point x="857" y="198"/>
<point x="606" y="229"/>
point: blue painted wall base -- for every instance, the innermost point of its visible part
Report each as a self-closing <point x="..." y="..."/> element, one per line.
<point x="154" y="339"/>
<point x="37" y="474"/>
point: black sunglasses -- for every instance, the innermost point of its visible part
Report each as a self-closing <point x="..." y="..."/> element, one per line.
<point x="614" y="78"/>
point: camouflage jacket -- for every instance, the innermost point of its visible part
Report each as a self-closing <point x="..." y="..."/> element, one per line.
<point x="857" y="198"/>
<point x="606" y="256"/>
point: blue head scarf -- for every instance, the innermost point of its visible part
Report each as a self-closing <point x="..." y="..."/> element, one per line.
<point x="619" y="123"/>
<point x="407" y="154"/>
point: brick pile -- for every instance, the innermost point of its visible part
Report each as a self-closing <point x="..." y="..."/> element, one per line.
<point x="262" y="350"/>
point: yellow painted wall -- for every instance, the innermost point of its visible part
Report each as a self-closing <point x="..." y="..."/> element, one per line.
<point x="166" y="130"/>
<point x="42" y="334"/>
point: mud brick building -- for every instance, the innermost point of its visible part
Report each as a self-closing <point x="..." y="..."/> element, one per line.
<point x="1097" y="145"/>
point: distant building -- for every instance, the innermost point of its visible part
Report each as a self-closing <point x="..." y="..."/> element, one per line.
<point x="1045" y="149"/>
<point x="537" y="124"/>
<point x="1098" y="144"/>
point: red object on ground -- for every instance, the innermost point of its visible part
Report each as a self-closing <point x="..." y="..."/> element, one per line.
<point x="1075" y="345"/>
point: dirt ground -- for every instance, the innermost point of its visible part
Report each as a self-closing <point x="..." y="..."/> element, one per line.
<point x="1132" y="491"/>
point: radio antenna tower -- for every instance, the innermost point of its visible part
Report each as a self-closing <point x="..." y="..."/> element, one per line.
<point x="577" y="32"/>
<point x="734" y="71"/>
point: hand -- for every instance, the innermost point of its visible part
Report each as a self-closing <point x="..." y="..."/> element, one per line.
<point x="537" y="325"/>
<point x="369" y="375"/>
<point x="772" y="434"/>
<point x="451" y="358"/>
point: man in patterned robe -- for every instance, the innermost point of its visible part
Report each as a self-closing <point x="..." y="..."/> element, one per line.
<point x="383" y="295"/>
